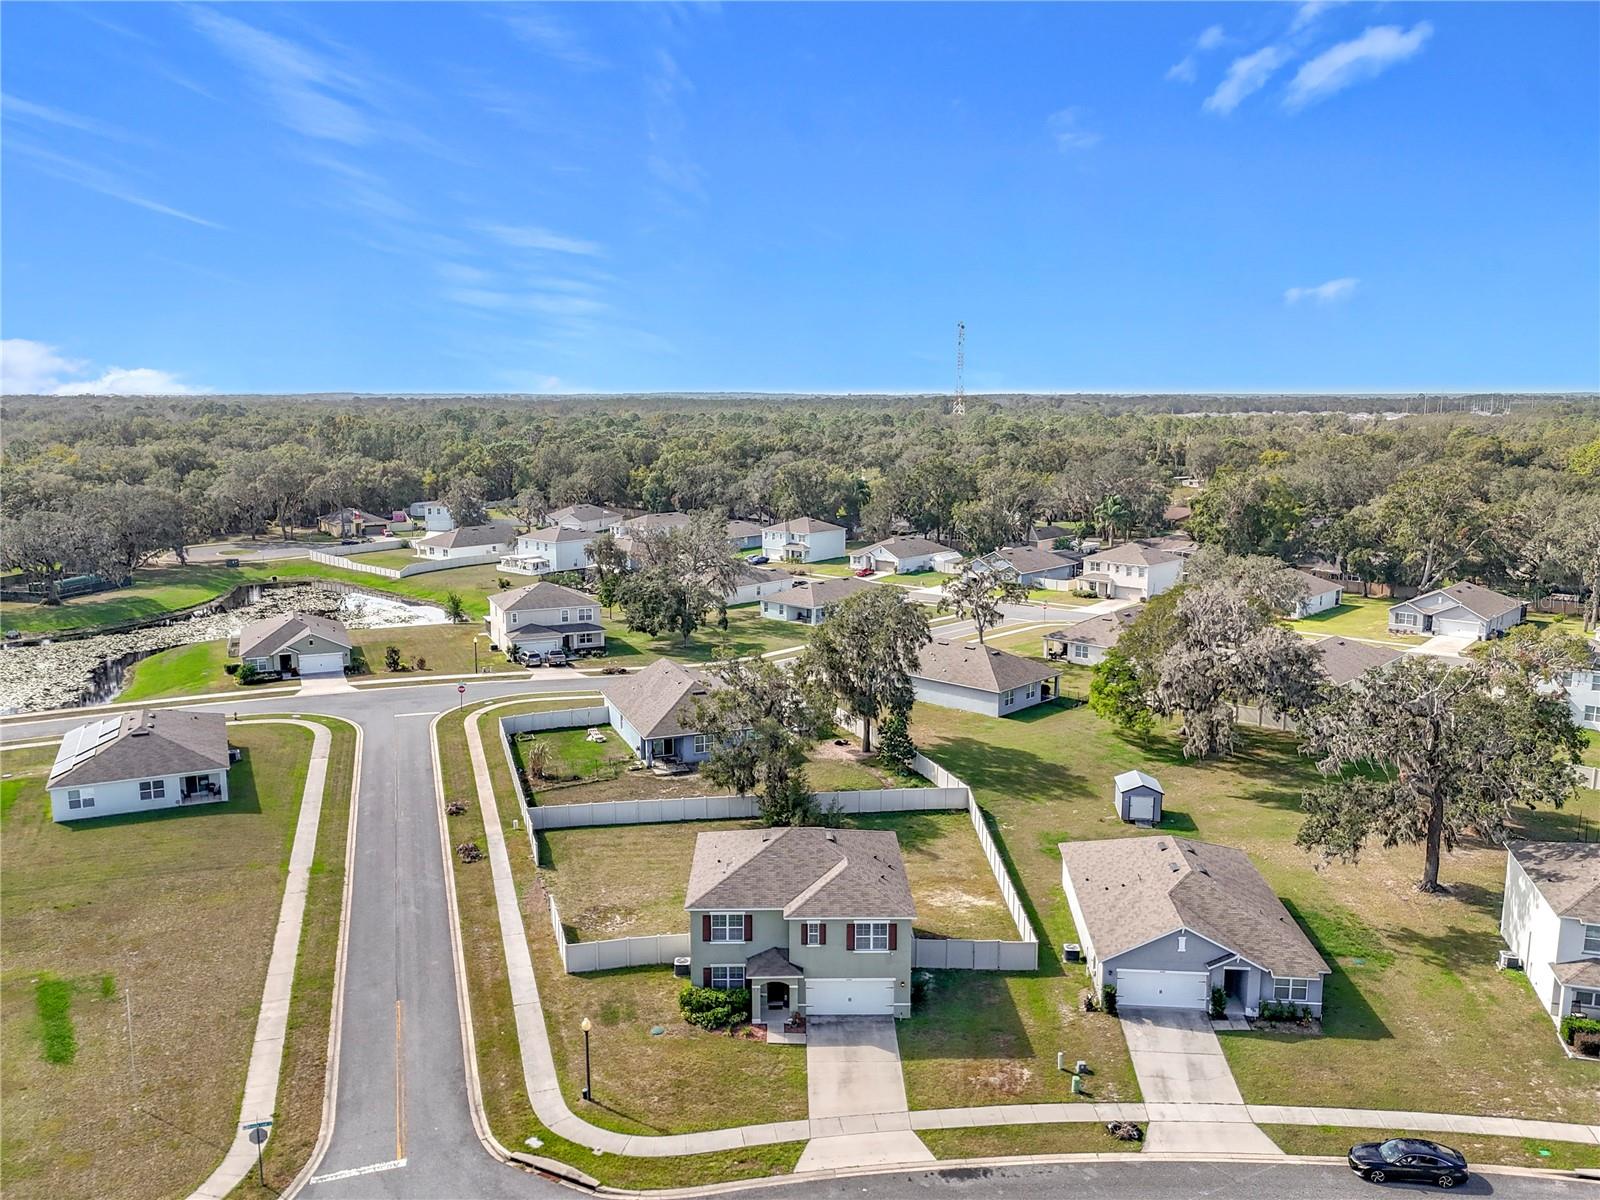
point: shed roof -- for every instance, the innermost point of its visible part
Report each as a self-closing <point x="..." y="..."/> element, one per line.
<point x="1133" y="779"/>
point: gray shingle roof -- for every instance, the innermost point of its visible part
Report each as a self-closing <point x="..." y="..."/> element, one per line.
<point x="1344" y="660"/>
<point x="805" y="871"/>
<point x="818" y="593"/>
<point x="1567" y="875"/>
<point x="141" y="744"/>
<point x="974" y="665"/>
<point x="1307" y="586"/>
<point x="1102" y="630"/>
<point x="584" y="512"/>
<point x="743" y="529"/>
<point x="771" y="964"/>
<point x="558" y="533"/>
<point x="1130" y="552"/>
<point x="267" y="636"/>
<point x="1480" y="601"/>
<point x="1030" y="560"/>
<point x="905" y="547"/>
<point x="805" y="525"/>
<point x="667" y="520"/>
<point x="1136" y="889"/>
<point x="465" y="536"/>
<point x="540" y="595"/>
<point x="659" y="700"/>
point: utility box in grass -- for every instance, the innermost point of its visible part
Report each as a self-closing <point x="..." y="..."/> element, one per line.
<point x="1138" y="798"/>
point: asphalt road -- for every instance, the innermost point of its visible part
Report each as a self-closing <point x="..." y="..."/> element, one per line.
<point x="401" y="1091"/>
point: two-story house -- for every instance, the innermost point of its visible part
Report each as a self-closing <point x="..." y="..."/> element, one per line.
<point x="1550" y="918"/>
<point x="809" y="601"/>
<point x="593" y="518"/>
<point x="544" y="617"/>
<point x="1131" y="571"/>
<point x="813" y="921"/>
<point x="1583" y="690"/>
<point x="434" y="515"/>
<point x="804" y="539"/>
<point x="548" y="550"/>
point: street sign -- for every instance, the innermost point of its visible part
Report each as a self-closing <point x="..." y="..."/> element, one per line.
<point x="258" y="1124"/>
<point x="258" y="1135"/>
<point x="462" y="688"/>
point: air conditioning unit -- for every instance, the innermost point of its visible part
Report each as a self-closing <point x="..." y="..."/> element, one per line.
<point x="1072" y="952"/>
<point x="1508" y="961"/>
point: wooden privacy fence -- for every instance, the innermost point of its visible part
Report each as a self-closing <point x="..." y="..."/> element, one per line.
<point x="613" y="953"/>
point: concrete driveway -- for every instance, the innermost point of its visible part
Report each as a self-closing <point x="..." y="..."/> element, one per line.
<point x="857" y="1096"/>
<point x="1177" y="1057"/>
<point x="1445" y="645"/>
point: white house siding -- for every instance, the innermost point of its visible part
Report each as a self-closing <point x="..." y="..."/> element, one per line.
<point x="122" y="796"/>
<point x="749" y="593"/>
<point x="1321" y="602"/>
<point x="560" y="556"/>
<point x="1533" y="931"/>
<point x="507" y="629"/>
<point x="1583" y="696"/>
<point x="453" y="553"/>
<point x="974" y="700"/>
<point x="777" y="611"/>
<point x="1080" y="654"/>
<point x="882" y="560"/>
<point x="806" y="547"/>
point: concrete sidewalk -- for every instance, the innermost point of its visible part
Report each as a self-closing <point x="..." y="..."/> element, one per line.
<point x="266" y="1054"/>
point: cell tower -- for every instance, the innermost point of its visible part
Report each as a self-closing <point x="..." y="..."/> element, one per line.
<point x="958" y="402"/>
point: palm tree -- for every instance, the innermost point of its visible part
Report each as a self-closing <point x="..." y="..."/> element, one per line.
<point x="1110" y="513"/>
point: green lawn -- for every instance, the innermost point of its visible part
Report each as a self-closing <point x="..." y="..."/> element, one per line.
<point x="1004" y="1141"/>
<point x="397" y="558"/>
<point x="1414" y="996"/>
<point x="920" y="579"/>
<point x="573" y="758"/>
<point x="178" y="909"/>
<point x="747" y="633"/>
<point x="822" y="566"/>
<point x="1501" y="1151"/>
<point x="1057" y="599"/>
<point x="1357" y="617"/>
<point x="1591" y="749"/>
<point x="446" y="649"/>
<point x="181" y="671"/>
<point x="157" y="590"/>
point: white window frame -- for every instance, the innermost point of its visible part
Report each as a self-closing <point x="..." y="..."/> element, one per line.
<point x="1591" y="712"/>
<point x="1080" y="649"/>
<point x="566" y="616"/>
<point x="724" y="921"/>
<point x="1183" y="943"/>
<point x="730" y="971"/>
<point x="1284" y="989"/>
<point x="1406" y="617"/>
<point x="1592" y="1004"/>
<point x="702" y="743"/>
<point x="812" y="935"/>
<point x="868" y="935"/>
<point x="1028" y="692"/>
<point x="1591" y="941"/>
<point x="1008" y="698"/>
<point x="152" y="789"/>
<point x="80" y="797"/>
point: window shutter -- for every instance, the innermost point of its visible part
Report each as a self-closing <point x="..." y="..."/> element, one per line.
<point x="894" y="930"/>
<point x="850" y="935"/>
<point x="705" y="977"/>
<point x="705" y="927"/>
<point x="822" y="933"/>
<point x="749" y="927"/>
<point x="805" y="934"/>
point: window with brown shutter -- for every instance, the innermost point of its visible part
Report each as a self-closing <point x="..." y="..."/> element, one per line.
<point x="749" y="927"/>
<point x="850" y="935"/>
<point x="894" y="929"/>
<point x="822" y="933"/>
<point x="705" y="927"/>
<point x="805" y="934"/>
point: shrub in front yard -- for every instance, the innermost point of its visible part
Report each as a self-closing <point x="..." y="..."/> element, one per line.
<point x="1288" y="1014"/>
<point x="1219" y="1004"/>
<point x="1108" y="998"/>
<point x="714" y="1008"/>
<point x="1581" y="1033"/>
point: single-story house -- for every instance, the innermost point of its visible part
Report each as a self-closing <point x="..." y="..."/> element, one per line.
<point x="803" y="539"/>
<point x="468" y="541"/>
<point x="1176" y="514"/>
<point x="1045" y="537"/>
<point x="1029" y="564"/>
<point x="293" y="644"/>
<point x="595" y="518"/>
<point x="1165" y="920"/>
<point x="553" y="548"/>
<point x="905" y="555"/>
<point x="1137" y="798"/>
<point x="1550" y="918"/>
<point x="1174" y="541"/>
<point x="434" y="515"/>
<point x="1344" y="661"/>
<point x="978" y="678"/>
<point x="543" y="617"/>
<point x="1085" y="643"/>
<point x="653" y="712"/>
<point x="809" y="600"/>
<point x="1583" y="690"/>
<point x="140" y="760"/>
<point x="1464" y="609"/>
<point x="756" y="583"/>
<point x="744" y="535"/>
<point x="1131" y="571"/>
<point x="1313" y="595"/>
<point x="815" y="922"/>
<point x="353" y="522"/>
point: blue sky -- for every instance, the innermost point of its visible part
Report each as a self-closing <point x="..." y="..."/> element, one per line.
<point x="372" y="197"/>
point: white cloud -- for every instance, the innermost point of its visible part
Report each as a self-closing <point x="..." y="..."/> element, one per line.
<point x="1066" y="127"/>
<point x="1308" y="13"/>
<point x="1184" y="70"/>
<point x="36" y="369"/>
<point x="1323" y="293"/>
<point x="553" y="38"/>
<point x="1375" y="51"/>
<point x="1246" y="74"/>
<point x="16" y="107"/>
<point x="97" y="179"/>
<point x="535" y="237"/>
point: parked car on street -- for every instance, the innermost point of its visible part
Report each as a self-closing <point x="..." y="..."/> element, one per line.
<point x="1413" y="1159"/>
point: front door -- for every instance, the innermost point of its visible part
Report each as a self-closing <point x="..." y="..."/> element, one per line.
<point x="777" y="997"/>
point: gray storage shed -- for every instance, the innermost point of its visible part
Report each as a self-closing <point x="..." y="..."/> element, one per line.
<point x="1138" y="798"/>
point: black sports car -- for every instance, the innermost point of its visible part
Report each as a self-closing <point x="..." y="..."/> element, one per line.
<point x="1408" y="1158"/>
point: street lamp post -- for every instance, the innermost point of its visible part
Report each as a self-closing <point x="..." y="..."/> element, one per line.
<point x="587" y="1078"/>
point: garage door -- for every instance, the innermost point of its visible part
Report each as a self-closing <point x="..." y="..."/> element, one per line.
<point x="1162" y="989"/>
<point x="850" y="997"/>
<point x="1456" y="628"/>
<point x="320" y="664"/>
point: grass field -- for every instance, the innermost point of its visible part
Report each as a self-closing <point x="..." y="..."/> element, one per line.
<point x="397" y="558"/>
<point x="157" y="590"/>
<point x="1501" y="1151"/>
<point x="919" y="579"/>
<point x="173" y="911"/>
<point x="1001" y="1141"/>
<point x="1591" y="748"/>
<point x="181" y="671"/>
<point x="447" y="649"/>
<point x="1414" y="997"/>
<point x="1357" y="617"/>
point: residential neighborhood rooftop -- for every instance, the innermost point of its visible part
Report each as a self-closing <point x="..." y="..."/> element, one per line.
<point x="540" y="595"/>
<point x="1133" y="553"/>
<point x="1475" y="598"/>
<point x="815" y="593"/>
<point x="583" y="512"/>
<point x="803" y="525"/>
<point x="558" y="533"/>
<point x="1344" y="659"/>
<point x="1028" y="559"/>
<point x="805" y="871"/>
<point x="268" y="635"/>
<point x="1102" y="630"/>
<point x="464" y="536"/>
<point x="975" y="665"/>
<point x="1136" y="889"/>
<point x="906" y="547"/>
<point x="141" y="743"/>
<point x="1567" y="875"/>
<point x="659" y="700"/>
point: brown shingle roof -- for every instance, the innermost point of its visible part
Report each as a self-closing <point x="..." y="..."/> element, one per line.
<point x="805" y="871"/>
<point x="540" y="595"/>
<point x="1102" y="630"/>
<point x="659" y="700"/>
<point x="1344" y="660"/>
<point x="141" y="744"/>
<point x="268" y="635"/>
<point x="974" y="665"/>
<point x="466" y="536"/>
<point x="1567" y="875"/>
<point x="1136" y="889"/>
<point x="805" y="525"/>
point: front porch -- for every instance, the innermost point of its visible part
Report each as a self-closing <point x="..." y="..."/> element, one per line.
<point x="775" y="986"/>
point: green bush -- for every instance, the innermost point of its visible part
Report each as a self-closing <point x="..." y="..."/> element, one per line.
<point x="247" y="673"/>
<point x="894" y="741"/>
<point x="1108" y="999"/>
<point x="232" y="668"/>
<point x="714" y="1008"/>
<point x="1219" y="1004"/>
<point x="391" y="658"/>
<point x="1571" y="1027"/>
<point x="1293" y="1014"/>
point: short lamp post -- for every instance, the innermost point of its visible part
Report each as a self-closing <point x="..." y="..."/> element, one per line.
<point x="588" y="1080"/>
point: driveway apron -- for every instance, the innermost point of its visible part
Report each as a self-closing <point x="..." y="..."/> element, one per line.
<point x="857" y="1096"/>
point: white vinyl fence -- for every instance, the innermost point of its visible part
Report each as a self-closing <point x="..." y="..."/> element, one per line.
<point x="609" y="955"/>
<point x="1588" y="777"/>
<point x="734" y="808"/>
<point x="346" y="563"/>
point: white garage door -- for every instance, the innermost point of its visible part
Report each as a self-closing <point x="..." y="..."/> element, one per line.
<point x="1456" y="628"/>
<point x="320" y="664"/>
<point x="850" y="997"/>
<point x="1162" y="989"/>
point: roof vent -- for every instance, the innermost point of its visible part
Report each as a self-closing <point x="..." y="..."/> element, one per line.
<point x="1161" y="845"/>
<point x="1172" y="866"/>
<point x="831" y="836"/>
